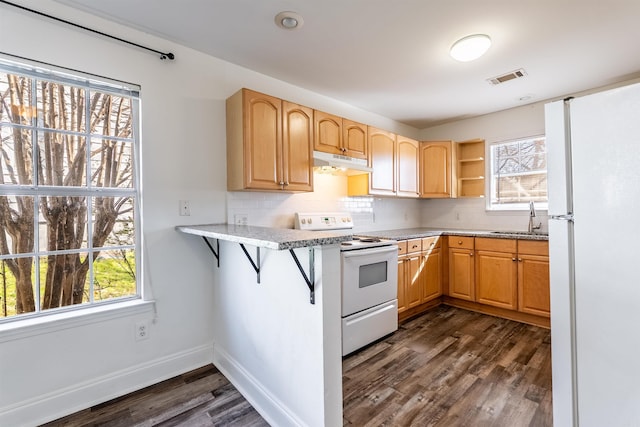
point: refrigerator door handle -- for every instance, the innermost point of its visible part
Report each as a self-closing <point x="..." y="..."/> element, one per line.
<point x="567" y="217"/>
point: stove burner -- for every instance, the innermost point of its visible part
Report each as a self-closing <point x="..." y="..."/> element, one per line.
<point x="367" y="239"/>
<point x="346" y="243"/>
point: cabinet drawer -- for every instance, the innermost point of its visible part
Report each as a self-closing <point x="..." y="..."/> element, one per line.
<point x="402" y="247"/>
<point x="533" y="247"/>
<point x="496" y="245"/>
<point x="414" y="245"/>
<point x="430" y="243"/>
<point x="461" y="242"/>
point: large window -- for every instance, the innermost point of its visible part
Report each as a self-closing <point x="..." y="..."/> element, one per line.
<point x="518" y="174"/>
<point x="68" y="190"/>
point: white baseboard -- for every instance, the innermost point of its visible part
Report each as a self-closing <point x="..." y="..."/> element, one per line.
<point x="51" y="406"/>
<point x="275" y="412"/>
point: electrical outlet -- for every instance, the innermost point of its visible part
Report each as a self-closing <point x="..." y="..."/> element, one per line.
<point x="184" y="208"/>
<point x="142" y="330"/>
<point x="241" y="219"/>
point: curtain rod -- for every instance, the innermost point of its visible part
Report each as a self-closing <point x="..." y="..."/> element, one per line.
<point x="163" y="55"/>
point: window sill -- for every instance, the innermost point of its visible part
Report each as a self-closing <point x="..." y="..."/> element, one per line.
<point x="21" y="329"/>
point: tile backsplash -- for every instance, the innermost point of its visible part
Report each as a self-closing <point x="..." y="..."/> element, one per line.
<point x="273" y="209"/>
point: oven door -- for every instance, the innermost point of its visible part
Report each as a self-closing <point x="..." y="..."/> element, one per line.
<point x="369" y="278"/>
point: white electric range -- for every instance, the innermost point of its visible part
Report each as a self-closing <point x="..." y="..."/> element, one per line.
<point x="369" y="280"/>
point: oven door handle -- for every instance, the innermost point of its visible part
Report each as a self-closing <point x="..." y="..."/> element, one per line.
<point x="371" y="251"/>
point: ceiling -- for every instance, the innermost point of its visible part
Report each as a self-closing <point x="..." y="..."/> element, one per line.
<point x="390" y="57"/>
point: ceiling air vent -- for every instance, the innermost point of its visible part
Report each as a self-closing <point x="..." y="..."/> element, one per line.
<point x="508" y="76"/>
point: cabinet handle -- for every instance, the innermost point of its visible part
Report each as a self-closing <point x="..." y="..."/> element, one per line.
<point x="281" y="183"/>
<point x="459" y="242"/>
<point x="414" y="246"/>
<point x="470" y="253"/>
<point x="519" y="259"/>
<point x="513" y="259"/>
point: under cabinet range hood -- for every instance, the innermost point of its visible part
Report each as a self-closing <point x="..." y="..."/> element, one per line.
<point x="337" y="163"/>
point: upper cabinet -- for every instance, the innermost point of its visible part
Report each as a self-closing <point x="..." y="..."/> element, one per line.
<point x="408" y="176"/>
<point x="297" y="137"/>
<point x="354" y="139"/>
<point x="435" y="169"/>
<point x="395" y="163"/>
<point x="328" y="133"/>
<point x="269" y="143"/>
<point x="470" y="168"/>
<point x="382" y="158"/>
<point x="336" y="135"/>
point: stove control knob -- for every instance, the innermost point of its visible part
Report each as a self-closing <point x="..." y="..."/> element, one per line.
<point x="304" y="221"/>
<point x="310" y="220"/>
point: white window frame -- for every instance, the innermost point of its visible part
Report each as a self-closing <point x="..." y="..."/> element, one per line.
<point x="124" y="305"/>
<point x="496" y="207"/>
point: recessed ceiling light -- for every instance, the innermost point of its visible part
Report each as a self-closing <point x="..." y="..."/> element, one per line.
<point x="471" y="47"/>
<point x="289" y="20"/>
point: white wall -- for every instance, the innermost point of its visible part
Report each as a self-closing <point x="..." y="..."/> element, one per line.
<point x="47" y="375"/>
<point x="282" y="352"/>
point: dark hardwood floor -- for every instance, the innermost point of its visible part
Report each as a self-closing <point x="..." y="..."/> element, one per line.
<point x="203" y="397"/>
<point x="448" y="367"/>
<point x="451" y="367"/>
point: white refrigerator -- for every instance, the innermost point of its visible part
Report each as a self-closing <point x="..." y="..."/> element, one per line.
<point x="593" y="164"/>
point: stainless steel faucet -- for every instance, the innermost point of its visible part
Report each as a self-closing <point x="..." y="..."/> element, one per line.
<point x="532" y="214"/>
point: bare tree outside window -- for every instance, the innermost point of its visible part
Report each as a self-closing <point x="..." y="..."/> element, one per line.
<point x="67" y="194"/>
<point x="519" y="172"/>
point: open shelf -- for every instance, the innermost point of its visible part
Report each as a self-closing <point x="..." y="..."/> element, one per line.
<point x="470" y="168"/>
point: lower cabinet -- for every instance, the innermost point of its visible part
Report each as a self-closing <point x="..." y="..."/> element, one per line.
<point x="432" y="261"/>
<point x="503" y="277"/>
<point x="419" y="272"/>
<point x="461" y="268"/>
<point x="533" y="278"/>
<point x="497" y="272"/>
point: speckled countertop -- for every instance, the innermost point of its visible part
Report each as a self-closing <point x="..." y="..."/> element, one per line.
<point x="266" y="237"/>
<point x="416" y="233"/>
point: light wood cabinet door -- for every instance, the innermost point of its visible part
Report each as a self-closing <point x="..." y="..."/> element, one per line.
<point x="496" y="279"/>
<point x="296" y="140"/>
<point x="354" y="139"/>
<point x="262" y="141"/>
<point x="402" y="285"/>
<point x="432" y="280"/>
<point x="533" y="284"/>
<point x="461" y="274"/>
<point x="328" y="133"/>
<point x="382" y="158"/>
<point x="407" y="168"/>
<point x="414" y="281"/>
<point x="435" y="169"/>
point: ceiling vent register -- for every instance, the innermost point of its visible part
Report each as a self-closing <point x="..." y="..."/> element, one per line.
<point x="507" y="77"/>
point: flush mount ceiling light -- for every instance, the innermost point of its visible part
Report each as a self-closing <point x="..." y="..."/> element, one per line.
<point x="289" y="20"/>
<point x="471" y="47"/>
